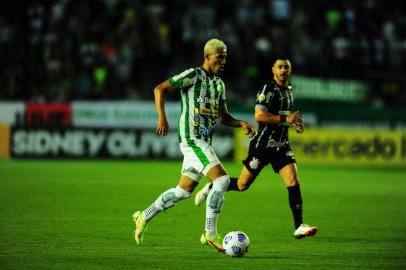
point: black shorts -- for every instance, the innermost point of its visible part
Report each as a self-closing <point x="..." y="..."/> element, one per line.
<point x="277" y="157"/>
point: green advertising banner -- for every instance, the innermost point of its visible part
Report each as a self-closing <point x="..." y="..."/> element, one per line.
<point x="328" y="89"/>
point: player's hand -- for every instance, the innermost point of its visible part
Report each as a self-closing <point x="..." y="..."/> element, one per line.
<point x="295" y="118"/>
<point x="299" y="128"/>
<point x="162" y="127"/>
<point x="250" y="129"/>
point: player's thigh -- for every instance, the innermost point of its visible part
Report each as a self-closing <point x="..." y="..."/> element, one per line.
<point x="289" y="175"/>
<point x="252" y="166"/>
<point x="187" y="183"/>
<point x="197" y="159"/>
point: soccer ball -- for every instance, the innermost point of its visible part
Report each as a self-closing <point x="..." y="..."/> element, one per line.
<point x="236" y="244"/>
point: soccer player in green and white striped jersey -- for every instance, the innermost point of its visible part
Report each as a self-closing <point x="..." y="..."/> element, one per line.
<point x="203" y="104"/>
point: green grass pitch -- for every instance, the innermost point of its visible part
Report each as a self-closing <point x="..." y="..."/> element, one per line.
<point x="77" y="215"/>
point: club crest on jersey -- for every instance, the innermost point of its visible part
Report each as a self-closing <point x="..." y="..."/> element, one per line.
<point x="186" y="82"/>
<point x="254" y="163"/>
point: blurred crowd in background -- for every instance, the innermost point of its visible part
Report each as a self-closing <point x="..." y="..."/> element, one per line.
<point x="63" y="50"/>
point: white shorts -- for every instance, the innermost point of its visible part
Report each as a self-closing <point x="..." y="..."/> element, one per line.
<point x="198" y="159"/>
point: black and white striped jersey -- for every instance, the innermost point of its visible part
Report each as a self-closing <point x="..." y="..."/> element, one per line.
<point x="276" y="100"/>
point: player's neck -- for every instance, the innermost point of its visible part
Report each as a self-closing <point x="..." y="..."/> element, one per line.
<point x="283" y="84"/>
<point x="207" y="70"/>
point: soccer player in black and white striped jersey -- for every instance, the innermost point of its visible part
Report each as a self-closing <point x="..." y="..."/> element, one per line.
<point x="274" y="114"/>
<point x="203" y="105"/>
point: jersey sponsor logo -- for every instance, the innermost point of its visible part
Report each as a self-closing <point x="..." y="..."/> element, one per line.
<point x="254" y="163"/>
<point x="204" y="131"/>
<point x="273" y="143"/>
<point x="206" y="100"/>
<point x="284" y="112"/>
<point x="206" y="111"/>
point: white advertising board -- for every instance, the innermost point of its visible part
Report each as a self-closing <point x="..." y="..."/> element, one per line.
<point x="10" y="110"/>
<point x="123" y="114"/>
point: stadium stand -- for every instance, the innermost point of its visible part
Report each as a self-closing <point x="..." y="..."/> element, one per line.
<point x="58" y="51"/>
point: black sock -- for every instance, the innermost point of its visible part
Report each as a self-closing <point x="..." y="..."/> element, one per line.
<point x="295" y="202"/>
<point x="233" y="184"/>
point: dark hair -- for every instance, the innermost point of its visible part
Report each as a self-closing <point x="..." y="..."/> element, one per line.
<point x="280" y="57"/>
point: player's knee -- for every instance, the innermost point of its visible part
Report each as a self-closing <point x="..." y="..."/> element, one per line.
<point x="243" y="186"/>
<point x="244" y="183"/>
<point x="221" y="183"/>
<point x="292" y="182"/>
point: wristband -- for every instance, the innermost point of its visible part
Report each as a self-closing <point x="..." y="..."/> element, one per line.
<point x="282" y="118"/>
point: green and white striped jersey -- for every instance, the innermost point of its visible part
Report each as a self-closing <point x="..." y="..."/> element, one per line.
<point x="201" y="99"/>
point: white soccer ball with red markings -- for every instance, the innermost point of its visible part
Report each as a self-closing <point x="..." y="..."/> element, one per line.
<point x="236" y="244"/>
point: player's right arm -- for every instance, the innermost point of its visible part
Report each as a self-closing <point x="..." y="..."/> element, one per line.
<point x="182" y="80"/>
<point x="159" y="94"/>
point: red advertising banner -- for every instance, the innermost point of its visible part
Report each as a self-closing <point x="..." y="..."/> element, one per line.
<point x="48" y="114"/>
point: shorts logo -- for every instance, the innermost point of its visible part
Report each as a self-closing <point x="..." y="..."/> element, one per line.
<point x="191" y="170"/>
<point x="290" y="154"/>
<point x="254" y="163"/>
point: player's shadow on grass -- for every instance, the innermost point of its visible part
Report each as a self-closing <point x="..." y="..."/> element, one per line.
<point x="269" y="257"/>
<point x="346" y="239"/>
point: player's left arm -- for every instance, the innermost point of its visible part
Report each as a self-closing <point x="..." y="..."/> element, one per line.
<point x="299" y="125"/>
<point x="226" y="119"/>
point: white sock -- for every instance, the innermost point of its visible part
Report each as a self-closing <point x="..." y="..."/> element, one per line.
<point x="165" y="201"/>
<point x="214" y="203"/>
<point x="150" y="212"/>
